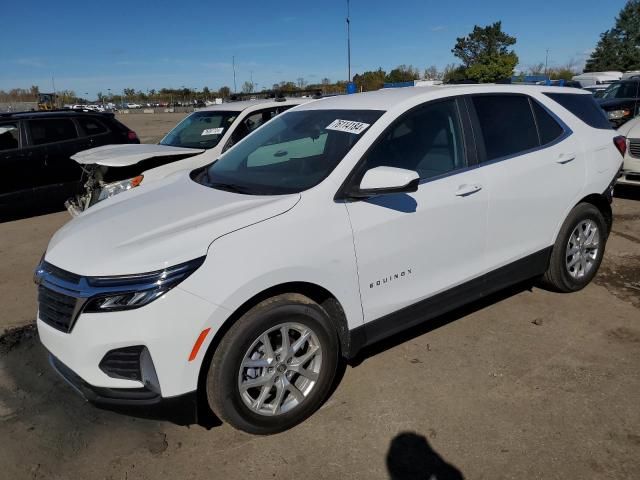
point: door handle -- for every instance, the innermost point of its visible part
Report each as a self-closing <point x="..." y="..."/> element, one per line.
<point x="465" y="190"/>
<point x="565" y="158"/>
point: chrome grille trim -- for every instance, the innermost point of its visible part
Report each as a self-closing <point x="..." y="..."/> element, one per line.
<point x="634" y="147"/>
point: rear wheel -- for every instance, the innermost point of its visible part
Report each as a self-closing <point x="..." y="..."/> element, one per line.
<point x="275" y="366"/>
<point x="578" y="250"/>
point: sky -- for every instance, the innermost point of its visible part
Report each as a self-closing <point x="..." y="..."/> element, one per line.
<point x="93" y="46"/>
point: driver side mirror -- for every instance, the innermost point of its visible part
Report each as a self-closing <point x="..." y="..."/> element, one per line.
<point x="386" y="180"/>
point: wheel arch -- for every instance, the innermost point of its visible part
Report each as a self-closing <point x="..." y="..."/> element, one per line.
<point x="318" y="294"/>
<point x="601" y="203"/>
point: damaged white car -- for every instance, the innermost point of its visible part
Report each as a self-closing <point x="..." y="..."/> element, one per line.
<point x="196" y="141"/>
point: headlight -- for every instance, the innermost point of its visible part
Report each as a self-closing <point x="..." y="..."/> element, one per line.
<point x="126" y="292"/>
<point x="618" y="114"/>
<point x="111" y="189"/>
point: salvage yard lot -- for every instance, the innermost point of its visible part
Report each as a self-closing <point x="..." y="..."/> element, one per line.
<point x="525" y="384"/>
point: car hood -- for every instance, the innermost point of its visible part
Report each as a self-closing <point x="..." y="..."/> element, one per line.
<point x="151" y="227"/>
<point x="631" y="129"/>
<point x="614" y="102"/>
<point x="129" y="154"/>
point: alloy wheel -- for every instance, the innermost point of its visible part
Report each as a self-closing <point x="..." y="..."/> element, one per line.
<point x="583" y="248"/>
<point x="280" y="369"/>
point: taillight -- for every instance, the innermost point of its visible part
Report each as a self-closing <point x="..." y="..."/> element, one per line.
<point x="131" y="135"/>
<point x="621" y="144"/>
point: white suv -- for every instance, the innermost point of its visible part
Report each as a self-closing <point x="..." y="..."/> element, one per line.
<point x="338" y="223"/>
<point x="199" y="139"/>
<point x="631" y="168"/>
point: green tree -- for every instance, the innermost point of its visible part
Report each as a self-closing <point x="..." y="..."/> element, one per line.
<point x="485" y="54"/>
<point x="370" y="80"/>
<point x="402" y="73"/>
<point x="619" y="48"/>
<point x="224" y="92"/>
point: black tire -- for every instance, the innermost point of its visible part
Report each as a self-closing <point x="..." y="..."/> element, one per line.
<point x="558" y="277"/>
<point x="223" y="392"/>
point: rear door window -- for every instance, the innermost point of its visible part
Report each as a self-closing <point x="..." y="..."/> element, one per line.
<point x="584" y="107"/>
<point x="9" y="136"/>
<point x="91" y="126"/>
<point x="52" y="130"/>
<point x="507" y="124"/>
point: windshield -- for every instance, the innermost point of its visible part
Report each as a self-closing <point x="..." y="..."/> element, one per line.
<point x="200" y="129"/>
<point x="621" y="90"/>
<point x="293" y="152"/>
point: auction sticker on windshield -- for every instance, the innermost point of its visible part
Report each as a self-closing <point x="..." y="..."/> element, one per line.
<point x="212" y="131"/>
<point x="348" y="126"/>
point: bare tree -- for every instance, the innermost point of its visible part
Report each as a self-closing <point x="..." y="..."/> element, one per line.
<point x="432" y="73"/>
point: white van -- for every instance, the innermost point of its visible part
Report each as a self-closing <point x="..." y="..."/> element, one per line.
<point x="597" y="78"/>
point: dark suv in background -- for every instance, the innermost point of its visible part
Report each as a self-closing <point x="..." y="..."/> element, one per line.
<point x="621" y="101"/>
<point x="38" y="174"/>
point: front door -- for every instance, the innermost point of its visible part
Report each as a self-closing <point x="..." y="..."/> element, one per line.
<point x="412" y="246"/>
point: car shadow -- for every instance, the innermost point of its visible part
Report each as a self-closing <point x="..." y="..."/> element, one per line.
<point x="437" y="322"/>
<point x="411" y="457"/>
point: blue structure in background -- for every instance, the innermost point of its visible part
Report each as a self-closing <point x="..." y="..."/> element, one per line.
<point x="399" y="84"/>
<point x="352" y="88"/>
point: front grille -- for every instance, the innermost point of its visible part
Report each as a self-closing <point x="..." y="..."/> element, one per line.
<point x="60" y="273"/>
<point x="634" y="147"/>
<point x="123" y="363"/>
<point x="56" y="309"/>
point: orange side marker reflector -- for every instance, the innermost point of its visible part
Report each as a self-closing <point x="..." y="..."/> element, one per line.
<point x="198" y="344"/>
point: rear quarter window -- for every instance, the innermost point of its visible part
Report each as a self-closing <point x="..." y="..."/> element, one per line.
<point x="584" y="107"/>
<point x="91" y="126"/>
<point x="548" y="128"/>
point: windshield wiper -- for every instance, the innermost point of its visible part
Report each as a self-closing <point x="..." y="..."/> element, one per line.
<point x="230" y="187"/>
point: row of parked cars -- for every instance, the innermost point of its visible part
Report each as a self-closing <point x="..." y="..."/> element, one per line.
<point x="260" y="243"/>
<point x="58" y="148"/>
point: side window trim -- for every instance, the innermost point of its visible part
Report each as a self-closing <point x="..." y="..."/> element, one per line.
<point x="480" y="141"/>
<point x="467" y="140"/>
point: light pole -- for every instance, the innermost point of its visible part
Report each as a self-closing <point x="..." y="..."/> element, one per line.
<point x="546" y="63"/>
<point x="233" y="62"/>
<point x="348" y="42"/>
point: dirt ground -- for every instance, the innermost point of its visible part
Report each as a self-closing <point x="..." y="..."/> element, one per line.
<point x="525" y="384"/>
<point x="150" y="127"/>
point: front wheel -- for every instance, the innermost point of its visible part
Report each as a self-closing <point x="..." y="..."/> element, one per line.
<point x="578" y="250"/>
<point x="275" y="365"/>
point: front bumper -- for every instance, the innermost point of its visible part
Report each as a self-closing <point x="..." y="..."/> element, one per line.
<point x="167" y="328"/>
<point x="104" y="395"/>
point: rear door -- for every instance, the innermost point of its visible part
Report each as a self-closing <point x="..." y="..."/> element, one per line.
<point x="59" y="139"/>
<point x="534" y="169"/>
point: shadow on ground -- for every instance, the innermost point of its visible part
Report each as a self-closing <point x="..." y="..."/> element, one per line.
<point x="411" y="457"/>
